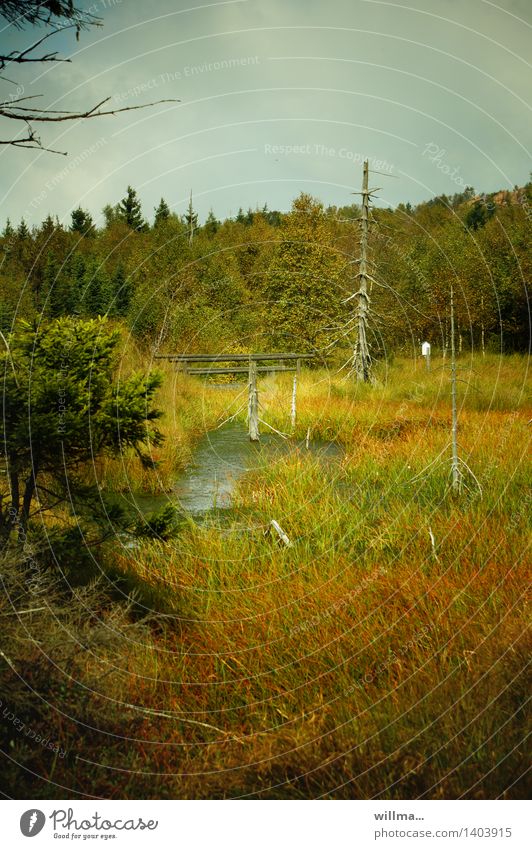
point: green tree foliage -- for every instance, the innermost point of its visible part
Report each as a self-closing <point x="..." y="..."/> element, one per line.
<point x="111" y="214"/>
<point x="191" y="219"/>
<point x="169" y="289"/>
<point x="63" y="409"/>
<point x="97" y="290"/>
<point x="478" y="214"/>
<point x="130" y="211"/>
<point x="162" y="213"/>
<point x="22" y="230"/>
<point x="305" y="281"/>
<point x="82" y="222"/>
<point x="122" y="291"/>
<point x="212" y="225"/>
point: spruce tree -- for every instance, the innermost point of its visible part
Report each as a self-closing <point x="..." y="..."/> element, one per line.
<point x="22" y="230"/>
<point x="162" y="213"/>
<point x="47" y="227"/>
<point x="8" y="230"/>
<point x="82" y="222"/>
<point x="97" y="290"/>
<point x="122" y="291"/>
<point x="60" y="289"/>
<point x="212" y="224"/>
<point x="130" y="211"/>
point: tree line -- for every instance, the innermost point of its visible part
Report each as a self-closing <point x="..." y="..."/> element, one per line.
<point x="268" y="278"/>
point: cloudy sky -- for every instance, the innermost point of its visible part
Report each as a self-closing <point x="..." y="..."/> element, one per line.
<point x="278" y="97"/>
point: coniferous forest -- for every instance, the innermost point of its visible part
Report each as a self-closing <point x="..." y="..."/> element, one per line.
<point x="163" y="275"/>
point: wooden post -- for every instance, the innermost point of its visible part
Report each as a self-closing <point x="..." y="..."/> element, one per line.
<point x="361" y="358"/>
<point x="253" y="403"/>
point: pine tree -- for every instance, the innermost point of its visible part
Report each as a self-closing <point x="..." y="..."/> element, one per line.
<point x="60" y="290"/>
<point x="99" y="416"/>
<point x="240" y="218"/>
<point x="162" y="213"/>
<point x="47" y="227"/>
<point x="212" y="224"/>
<point x="8" y="230"/>
<point x="22" y="230"/>
<point x="130" y="211"/>
<point x="122" y="292"/>
<point x="97" y="290"/>
<point x="82" y="222"/>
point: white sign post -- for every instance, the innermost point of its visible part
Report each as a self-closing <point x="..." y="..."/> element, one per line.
<point x="425" y="352"/>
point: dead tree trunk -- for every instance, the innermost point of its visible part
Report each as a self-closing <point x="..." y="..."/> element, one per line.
<point x="361" y="357"/>
<point x="191" y="220"/>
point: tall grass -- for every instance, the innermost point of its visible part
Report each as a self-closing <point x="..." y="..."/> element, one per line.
<point x="383" y="655"/>
<point x="188" y="410"/>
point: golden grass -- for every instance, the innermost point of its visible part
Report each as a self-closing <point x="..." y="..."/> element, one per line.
<point x="363" y="661"/>
<point x="382" y="656"/>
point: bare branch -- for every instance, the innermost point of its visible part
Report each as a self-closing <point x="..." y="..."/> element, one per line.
<point x="21" y="12"/>
<point x="31" y="142"/>
<point x="22" y="56"/>
<point x="50" y="115"/>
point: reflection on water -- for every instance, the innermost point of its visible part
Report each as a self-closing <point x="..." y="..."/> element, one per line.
<point x="224" y="456"/>
<point x="220" y="459"/>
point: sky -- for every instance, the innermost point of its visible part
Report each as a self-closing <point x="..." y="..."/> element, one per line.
<point x="275" y="97"/>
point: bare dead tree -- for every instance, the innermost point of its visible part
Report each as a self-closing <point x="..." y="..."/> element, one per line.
<point x="20" y="13"/>
<point x="362" y="359"/>
<point x="361" y="355"/>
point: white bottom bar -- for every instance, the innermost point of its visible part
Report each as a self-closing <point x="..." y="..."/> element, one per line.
<point x="266" y="825"/>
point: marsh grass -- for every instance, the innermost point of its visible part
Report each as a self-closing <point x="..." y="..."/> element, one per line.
<point x="368" y="660"/>
<point x="363" y="660"/>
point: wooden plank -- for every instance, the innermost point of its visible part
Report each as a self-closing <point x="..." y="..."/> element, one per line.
<point x="231" y="358"/>
<point x="237" y="370"/>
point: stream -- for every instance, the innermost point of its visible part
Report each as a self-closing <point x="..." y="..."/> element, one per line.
<point x="220" y="459"/>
